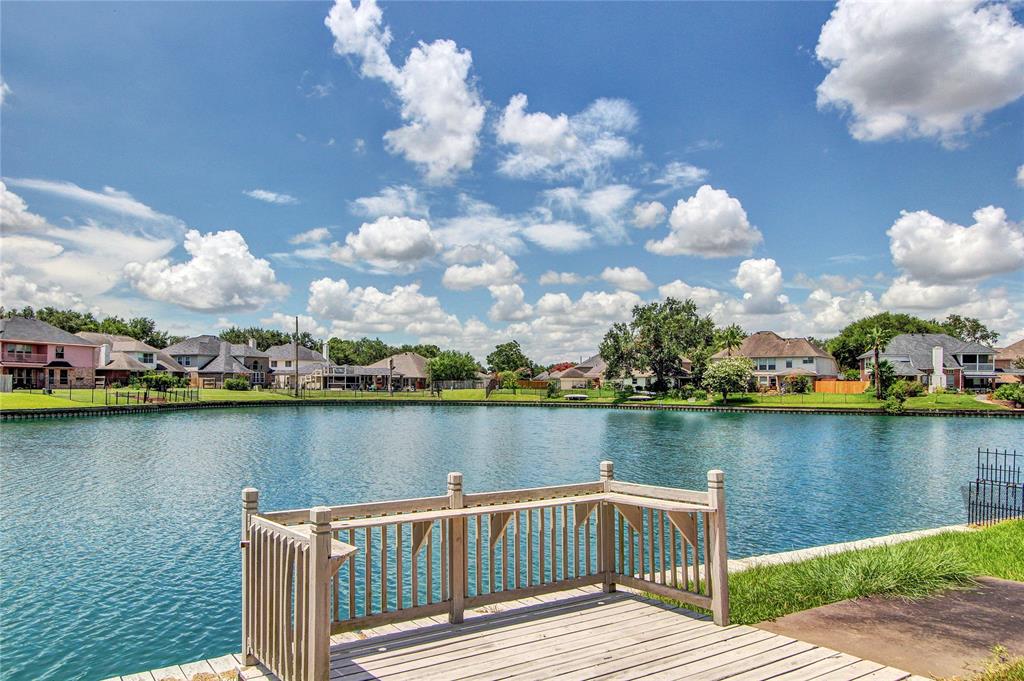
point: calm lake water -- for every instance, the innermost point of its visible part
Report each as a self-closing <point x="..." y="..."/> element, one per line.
<point x="119" y="550"/>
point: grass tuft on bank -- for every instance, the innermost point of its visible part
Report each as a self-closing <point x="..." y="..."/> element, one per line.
<point x="913" y="569"/>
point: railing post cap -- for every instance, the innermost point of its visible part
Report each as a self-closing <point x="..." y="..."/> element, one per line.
<point x="716" y="476"/>
<point x="455" y="478"/>
<point x="319" y="515"/>
<point x="607" y="469"/>
<point x="250" y="494"/>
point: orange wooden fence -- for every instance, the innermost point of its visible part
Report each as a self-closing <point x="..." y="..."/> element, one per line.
<point x="840" y="387"/>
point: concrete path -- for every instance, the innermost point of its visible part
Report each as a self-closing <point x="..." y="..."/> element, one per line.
<point x="942" y="636"/>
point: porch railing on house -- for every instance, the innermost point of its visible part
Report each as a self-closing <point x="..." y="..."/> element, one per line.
<point x="310" y="572"/>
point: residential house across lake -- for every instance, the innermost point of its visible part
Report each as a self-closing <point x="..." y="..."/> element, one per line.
<point x="121" y="357"/>
<point x="1006" y="360"/>
<point x="285" y="363"/>
<point x="208" y="361"/>
<point x="917" y="356"/>
<point x="39" y="355"/>
<point x="776" y="359"/>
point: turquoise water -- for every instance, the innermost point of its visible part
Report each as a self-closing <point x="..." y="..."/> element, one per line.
<point x="119" y="549"/>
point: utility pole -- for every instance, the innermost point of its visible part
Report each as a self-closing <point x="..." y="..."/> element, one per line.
<point x="295" y="340"/>
<point x="391" y="376"/>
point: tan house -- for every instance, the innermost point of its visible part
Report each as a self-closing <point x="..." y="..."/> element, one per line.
<point x="776" y="358"/>
<point x="1006" y="360"/>
<point x="121" y="357"/>
<point x="408" y="371"/>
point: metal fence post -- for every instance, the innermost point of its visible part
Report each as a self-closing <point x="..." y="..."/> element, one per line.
<point x="250" y="506"/>
<point x="318" y="643"/>
<point x="606" y="525"/>
<point x="456" y="551"/>
<point x="719" y="548"/>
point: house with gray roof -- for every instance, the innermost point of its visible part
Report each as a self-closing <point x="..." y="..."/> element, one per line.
<point x="120" y="357"/>
<point x="39" y="355"/>
<point x="284" y="364"/>
<point x="408" y="370"/>
<point x="208" y="360"/>
<point x="938" y="360"/>
<point x="776" y="358"/>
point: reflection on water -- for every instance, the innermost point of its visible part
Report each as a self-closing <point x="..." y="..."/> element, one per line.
<point x="119" y="551"/>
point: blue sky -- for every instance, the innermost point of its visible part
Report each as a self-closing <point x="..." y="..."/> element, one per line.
<point x="791" y="166"/>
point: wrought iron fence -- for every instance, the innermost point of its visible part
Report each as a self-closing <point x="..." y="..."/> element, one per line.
<point x="997" y="492"/>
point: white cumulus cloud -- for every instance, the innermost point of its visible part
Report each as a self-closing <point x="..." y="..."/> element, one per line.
<point x="552" y="278"/>
<point x="440" y="103"/>
<point x="392" y="201"/>
<point x="221" y="275"/>
<point x="559" y="147"/>
<point x="389" y="244"/>
<point x="710" y="224"/>
<point x="627" y="278"/>
<point x="760" y="279"/>
<point x="703" y="296"/>
<point x="920" y="69"/>
<point x="649" y="214"/>
<point x="494" y="270"/>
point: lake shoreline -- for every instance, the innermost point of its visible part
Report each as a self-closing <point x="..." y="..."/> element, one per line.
<point x="68" y="412"/>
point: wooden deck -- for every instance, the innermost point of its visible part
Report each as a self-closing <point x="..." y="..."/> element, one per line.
<point x="579" y="634"/>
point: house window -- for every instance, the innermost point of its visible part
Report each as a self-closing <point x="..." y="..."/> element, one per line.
<point x="63" y="377"/>
<point x="59" y="354"/>
<point x="287" y="363"/>
<point x="765" y="364"/>
<point x="634" y="381"/>
<point x="808" y="360"/>
<point x="273" y="362"/>
<point x="184" y="360"/>
<point x="147" y="358"/>
<point x="789" y="364"/>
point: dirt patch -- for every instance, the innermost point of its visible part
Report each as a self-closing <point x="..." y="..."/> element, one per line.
<point x="945" y="635"/>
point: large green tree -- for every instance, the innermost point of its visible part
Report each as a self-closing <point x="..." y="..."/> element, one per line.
<point x="730" y="338"/>
<point x="451" y="365"/>
<point x="509" y="357"/>
<point x="266" y="338"/>
<point x="854" y="340"/>
<point x="658" y="338"/>
<point x="358" y="352"/>
<point x="969" y="329"/>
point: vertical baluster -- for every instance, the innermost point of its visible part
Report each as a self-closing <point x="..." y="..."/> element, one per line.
<point x="587" y="544"/>
<point x="518" y="551"/>
<point x="640" y="545"/>
<point x="661" y="543"/>
<point x="575" y="546"/>
<point x="529" y="548"/>
<point x="352" y="578"/>
<point x="275" y="595"/>
<point x="291" y="609"/>
<point x="491" y="546"/>
<point x="632" y="549"/>
<point x="565" y="542"/>
<point x="443" y="558"/>
<point x="383" y="568"/>
<point x="430" y="564"/>
<point x="479" y="556"/>
<point x="368" y="572"/>
<point x="650" y="543"/>
<point x="553" y="534"/>
<point x="414" y="565"/>
<point x="505" y="569"/>
<point x="336" y="587"/>
<point x="400" y="602"/>
<point x="540" y="546"/>
<point x="672" y="535"/>
<point x="707" y="554"/>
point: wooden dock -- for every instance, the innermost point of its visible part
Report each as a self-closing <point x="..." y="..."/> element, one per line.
<point x="578" y="634"/>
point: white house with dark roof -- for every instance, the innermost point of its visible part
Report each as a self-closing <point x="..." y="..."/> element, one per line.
<point x="776" y="358"/>
<point x="283" y="363"/>
<point x="965" y="365"/>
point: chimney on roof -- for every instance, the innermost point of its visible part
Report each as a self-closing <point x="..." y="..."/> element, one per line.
<point x="104" y="355"/>
<point x="938" y="375"/>
<point x="252" y="343"/>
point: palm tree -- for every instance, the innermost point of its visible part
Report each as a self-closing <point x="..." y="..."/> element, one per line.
<point x="877" y="339"/>
<point x="731" y="338"/>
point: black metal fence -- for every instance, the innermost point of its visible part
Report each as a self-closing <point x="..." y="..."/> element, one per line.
<point x="997" y="492"/>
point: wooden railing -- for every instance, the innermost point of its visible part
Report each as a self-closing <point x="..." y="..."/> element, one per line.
<point x="437" y="555"/>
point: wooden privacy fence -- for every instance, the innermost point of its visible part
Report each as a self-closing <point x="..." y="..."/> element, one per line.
<point x="841" y="387"/>
<point x="302" y="578"/>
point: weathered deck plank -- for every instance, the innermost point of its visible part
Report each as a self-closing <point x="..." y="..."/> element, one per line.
<point x="583" y="634"/>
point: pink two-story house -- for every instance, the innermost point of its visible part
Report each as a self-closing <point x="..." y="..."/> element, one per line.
<point x="39" y="355"/>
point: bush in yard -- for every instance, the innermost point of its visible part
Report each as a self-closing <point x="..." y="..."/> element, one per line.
<point x="894" y="406"/>
<point x="851" y="374"/>
<point x="798" y="384"/>
<point x="236" y="384"/>
<point x="553" y="389"/>
<point x="1011" y="392"/>
<point x="729" y="375"/>
<point x="699" y="394"/>
<point x="155" y="380"/>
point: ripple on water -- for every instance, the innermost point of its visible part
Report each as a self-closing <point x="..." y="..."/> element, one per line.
<point x="120" y="545"/>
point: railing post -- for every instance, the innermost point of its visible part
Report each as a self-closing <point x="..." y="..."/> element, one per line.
<point x="318" y="643"/>
<point x="606" y="537"/>
<point x="719" y="549"/>
<point x="456" y="551"/>
<point x="250" y="506"/>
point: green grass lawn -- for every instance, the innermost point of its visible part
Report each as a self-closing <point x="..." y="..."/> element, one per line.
<point x="909" y="570"/>
<point x="79" y="398"/>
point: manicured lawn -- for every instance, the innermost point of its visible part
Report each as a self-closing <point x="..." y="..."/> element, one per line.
<point x="910" y="570"/>
<point x="23" y="400"/>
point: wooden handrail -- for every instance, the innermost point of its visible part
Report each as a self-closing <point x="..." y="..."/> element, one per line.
<point x="361" y="565"/>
